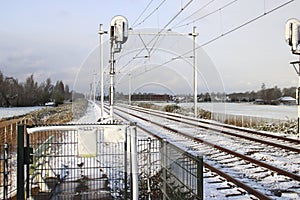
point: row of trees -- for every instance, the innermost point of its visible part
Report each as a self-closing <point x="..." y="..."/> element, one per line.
<point x="30" y="93"/>
<point x="268" y="95"/>
<point x="264" y="95"/>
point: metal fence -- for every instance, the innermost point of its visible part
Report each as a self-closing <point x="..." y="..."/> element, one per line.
<point x="243" y="120"/>
<point x="77" y="162"/>
<point x="149" y="163"/>
<point x="182" y="173"/>
<point x="5" y="170"/>
<point x="168" y="172"/>
<point x="96" y="162"/>
<point x="8" y="155"/>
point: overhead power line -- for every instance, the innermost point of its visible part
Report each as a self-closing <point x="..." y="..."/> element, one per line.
<point x="201" y="8"/>
<point x="164" y="28"/>
<point x="246" y="23"/>
<point x="223" y="34"/>
<point x="204" y="16"/>
<point x="142" y="13"/>
<point x="158" y="33"/>
<point x="161" y="3"/>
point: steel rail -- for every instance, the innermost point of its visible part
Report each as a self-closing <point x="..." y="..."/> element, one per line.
<point x="257" y="162"/>
<point x="238" y="183"/>
<point x="180" y="119"/>
<point x="226" y="126"/>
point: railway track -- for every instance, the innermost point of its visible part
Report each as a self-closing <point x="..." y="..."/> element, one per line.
<point x="248" y="163"/>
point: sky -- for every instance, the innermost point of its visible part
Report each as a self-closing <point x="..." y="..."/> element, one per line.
<point x="59" y="40"/>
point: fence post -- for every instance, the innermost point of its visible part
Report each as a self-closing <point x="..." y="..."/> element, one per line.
<point x="242" y="120"/>
<point x="164" y="167"/>
<point x="5" y="176"/>
<point x="27" y="161"/>
<point x="134" y="169"/>
<point x="125" y="165"/>
<point x="20" y="163"/>
<point x="149" y="167"/>
<point x="199" y="177"/>
<point x="5" y="133"/>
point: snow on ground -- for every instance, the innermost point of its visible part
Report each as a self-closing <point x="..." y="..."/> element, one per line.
<point x="247" y="109"/>
<point x="93" y="113"/>
<point x="17" y="111"/>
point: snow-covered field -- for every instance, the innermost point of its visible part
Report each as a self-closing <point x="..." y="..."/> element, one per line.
<point x="248" y="109"/>
<point x="16" y="111"/>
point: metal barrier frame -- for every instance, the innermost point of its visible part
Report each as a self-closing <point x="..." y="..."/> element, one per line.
<point x="182" y="173"/>
<point x="166" y="171"/>
<point x="47" y="144"/>
<point x="151" y="168"/>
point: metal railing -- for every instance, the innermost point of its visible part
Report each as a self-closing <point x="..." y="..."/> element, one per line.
<point x="78" y="161"/>
<point x="243" y="120"/>
<point x="8" y="154"/>
<point x="5" y="171"/>
<point x="182" y="173"/>
<point x="89" y="162"/>
<point x="168" y="172"/>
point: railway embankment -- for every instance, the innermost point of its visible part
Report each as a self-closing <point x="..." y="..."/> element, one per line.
<point x="52" y="115"/>
<point x="47" y="115"/>
<point x="288" y="126"/>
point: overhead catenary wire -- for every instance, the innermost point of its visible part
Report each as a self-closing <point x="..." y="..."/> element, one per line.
<point x="150" y="14"/>
<point x="204" y="16"/>
<point x="212" y="40"/>
<point x="221" y="35"/>
<point x="198" y="10"/>
<point x="142" y="13"/>
<point x="158" y="34"/>
<point x="164" y="28"/>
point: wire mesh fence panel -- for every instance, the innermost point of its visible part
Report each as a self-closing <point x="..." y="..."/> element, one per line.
<point x="244" y="120"/>
<point x="149" y="162"/>
<point x="6" y="173"/>
<point x="76" y="162"/>
<point x="182" y="173"/>
<point x="8" y="157"/>
<point x="96" y="162"/>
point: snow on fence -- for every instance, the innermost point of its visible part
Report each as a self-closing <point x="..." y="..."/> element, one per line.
<point x="92" y="161"/>
<point x="243" y="120"/>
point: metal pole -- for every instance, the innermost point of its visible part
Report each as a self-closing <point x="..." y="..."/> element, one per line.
<point x="200" y="177"/>
<point x="101" y="32"/>
<point x="297" y="93"/>
<point x="134" y="161"/>
<point x="298" y="98"/>
<point x="194" y="34"/>
<point x="27" y="162"/>
<point x="94" y="87"/>
<point x="112" y="74"/>
<point x="125" y="164"/>
<point x="20" y="163"/>
<point x="149" y="168"/>
<point x="129" y="90"/>
<point x="5" y="176"/>
<point x="164" y="168"/>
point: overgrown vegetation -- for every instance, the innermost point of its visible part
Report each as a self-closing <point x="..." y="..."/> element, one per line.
<point x="204" y="114"/>
<point x="30" y="93"/>
<point x="149" y="106"/>
<point x="51" y="115"/>
<point x="173" y="108"/>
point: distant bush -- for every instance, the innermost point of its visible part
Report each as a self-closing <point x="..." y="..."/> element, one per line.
<point x="146" y="105"/>
<point x="204" y="114"/>
<point x="172" y="108"/>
